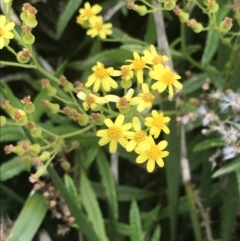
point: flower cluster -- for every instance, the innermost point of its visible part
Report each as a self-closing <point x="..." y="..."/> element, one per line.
<point x="89" y="19"/>
<point x="134" y="129"/>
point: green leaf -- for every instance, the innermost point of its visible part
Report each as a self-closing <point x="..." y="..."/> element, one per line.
<point x="230" y="207"/>
<point x="72" y="190"/>
<point x="91" y="205"/>
<point x="91" y="154"/>
<point x="210" y="143"/>
<point x="149" y="218"/>
<point x="238" y="179"/>
<point x="66" y="15"/>
<point x="12" y="168"/>
<point x="81" y="219"/>
<point x="133" y="47"/>
<point x="12" y="133"/>
<point x="211" y="46"/>
<point x="230" y="167"/>
<point x="109" y="184"/>
<point x="39" y="108"/>
<point x="107" y="57"/>
<point x="30" y="219"/>
<point x="156" y="234"/>
<point x="150" y="35"/>
<point x="194" y="83"/>
<point x="136" y="233"/>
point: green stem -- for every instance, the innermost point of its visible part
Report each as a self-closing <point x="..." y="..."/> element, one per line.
<point x="193" y="211"/>
<point x="77" y="132"/>
<point x="64" y="101"/>
<point x="28" y="66"/>
<point x="11" y="50"/>
<point x="48" y="132"/>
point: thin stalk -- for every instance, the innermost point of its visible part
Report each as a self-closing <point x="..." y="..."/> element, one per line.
<point x="27" y="66"/>
<point x="77" y="132"/>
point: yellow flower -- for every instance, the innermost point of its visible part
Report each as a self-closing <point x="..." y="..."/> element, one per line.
<point x="165" y="78"/>
<point x="138" y="65"/>
<point x="91" y="101"/>
<point x="98" y="28"/>
<point x="80" y="20"/>
<point x="5" y="31"/>
<point x="143" y="100"/>
<point x="88" y="12"/>
<point x="157" y="123"/>
<point x="101" y="78"/>
<point x="121" y="102"/>
<point x="116" y="132"/>
<point x="126" y="72"/>
<point x="152" y="154"/>
<point x="138" y="138"/>
<point x="152" y="57"/>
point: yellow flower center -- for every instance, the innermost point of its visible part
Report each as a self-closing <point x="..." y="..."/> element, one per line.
<point x="158" y="122"/>
<point x="138" y="64"/>
<point x="168" y="78"/>
<point x="88" y="13"/>
<point x="114" y="132"/>
<point x="140" y="136"/>
<point x="99" y="26"/>
<point x="122" y="103"/>
<point x="101" y="72"/>
<point x="154" y="152"/>
<point x="1" y="32"/>
<point x="89" y="100"/>
<point x="157" y="59"/>
<point x="125" y="72"/>
<point x="147" y="97"/>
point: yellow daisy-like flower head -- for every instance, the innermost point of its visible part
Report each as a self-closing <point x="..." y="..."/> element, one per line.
<point x="152" y="57"/>
<point x="152" y="154"/>
<point x="157" y="123"/>
<point x="97" y="28"/>
<point x="116" y="133"/>
<point x="80" y="20"/>
<point x="122" y="103"/>
<point x="101" y="78"/>
<point x="91" y="100"/>
<point x="165" y="79"/>
<point x="5" y="31"/>
<point x="143" y="100"/>
<point x="88" y="12"/>
<point x="138" y="64"/>
<point x="138" y="137"/>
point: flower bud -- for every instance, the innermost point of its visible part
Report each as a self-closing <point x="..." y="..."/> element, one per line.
<point x="3" y="120"/>
<point x="169" y="4"/>
<point x="28" y="38"/>
<point x="24" y="56"/>
<point x="213" y="7"/>
<point x="36" y="148"/>
<point x="198" y="28"/>
<point x="20" y="117"/>
<point x="83" y="120"/>
<point x="23" y="16"/>
<point x="51" y="91"/>
<point x="37" y="132"/>
<point x="183" y="17"/>
<point x="226" y="25"/>
<point x="31" y="21"/>
<point x="67" y="87"/>
<point x="141" y="10"/>
<point x="66" y="166"/>
<point x="126" y="84"/>
<point x="98" y="118"/>
<point x="19" y="150"/>
<point x="45" y="156"/>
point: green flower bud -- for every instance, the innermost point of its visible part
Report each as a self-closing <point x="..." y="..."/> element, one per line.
<point x="37" y="132"/>
<point x="183" y="17"/>
<point x="66" y="166"/>
<point x="29" y="107"/>
<point x="20" y="117"/>
<point x="40" y="171"/>
<point x="21" y="59"/>
<point x="124" y="111"/>
<point x="45" y="156"/>
<point x="83" y="120"/>
<point x="18" y="150"/>
<point x="23" y="16"/>
<point x="197" y="28"/>
<point x="54" y="108"/>
<point x="68" y="87"/>
<point x="36" y="148"/>
<point x="51" y="91"/>
<point x="31" y="22"/>
<point x="226" y="25"/>
<point x="28" y="38"/>
<point x="126" y="84"/>
<point x="213" y="7"/>
<point x="169" y="5"/>
<point x="3" y="120"/>
<point x="141" y="10"/>
<point x="98" y="118"/>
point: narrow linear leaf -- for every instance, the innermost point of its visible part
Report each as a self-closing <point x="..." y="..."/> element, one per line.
<point x="91" y="205"/>
<point x="72" y="190"/>
<point x="30" y="217"/>
<point x="81" y="219"/>
<point x="206" y="144"/>
<point x="110" y="192"/>
<point x="136" y="233"/>
<point x="12" y="133"/>
<point x="230" y="167"/>
<point x="90" y="156"/>
<point x="66" y="15"/>
<point x="211" y="46"/>
<point x="12" y="168"/>
<point x="156" y="234"/>
<point x="238" y="179"/>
